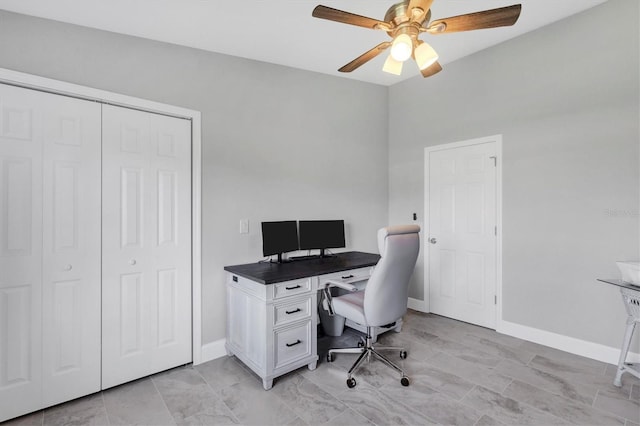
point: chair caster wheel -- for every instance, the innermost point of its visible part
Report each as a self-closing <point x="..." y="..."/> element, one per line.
<point x="351" y="383"/>
<point x="403" y="354"/>
<point x="361" y="344"/>
<point x="404" y="381"/>
<point x="330" y="357"/>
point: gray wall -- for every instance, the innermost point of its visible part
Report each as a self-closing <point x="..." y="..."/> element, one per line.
<point x="278" y="143"/>
<point x="565" y="99"/>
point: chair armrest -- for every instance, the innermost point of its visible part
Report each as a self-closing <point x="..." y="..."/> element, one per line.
<point x="342" y="284"/>
<point x="347" y="284"/>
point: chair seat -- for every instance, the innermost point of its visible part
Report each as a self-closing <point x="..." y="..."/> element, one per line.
<point x="351" y="306"/>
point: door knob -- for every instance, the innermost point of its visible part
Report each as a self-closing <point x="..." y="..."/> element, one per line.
<point x="433" y="241"/>
<point x="68" y="268"/>
<point x="132" y="262"/>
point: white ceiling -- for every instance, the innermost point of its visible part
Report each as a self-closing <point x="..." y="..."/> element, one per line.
<point x="284" y="32"/>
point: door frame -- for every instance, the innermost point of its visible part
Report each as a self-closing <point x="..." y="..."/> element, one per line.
<point x="56" y="87"/>
<point x="497" y="139"/>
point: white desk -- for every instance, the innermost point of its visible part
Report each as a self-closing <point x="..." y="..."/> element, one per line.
<point x="272" y="310"/>
<point x="631" y="300"/>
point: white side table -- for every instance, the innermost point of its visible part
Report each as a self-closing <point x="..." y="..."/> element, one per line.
<point x="631" y="299"/>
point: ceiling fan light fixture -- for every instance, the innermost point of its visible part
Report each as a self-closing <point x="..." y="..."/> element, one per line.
<point x="402" y="47"/>
<point x="425" y="55"/>
<point x="392" y="66"/>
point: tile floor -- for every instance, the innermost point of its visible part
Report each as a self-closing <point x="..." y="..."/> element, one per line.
<point x="460" y="375"/>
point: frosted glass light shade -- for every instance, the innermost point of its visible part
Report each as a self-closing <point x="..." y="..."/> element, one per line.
<point x="401" y="48"/>
<point x="392" y="66"/>
<point x="425" y="56"/>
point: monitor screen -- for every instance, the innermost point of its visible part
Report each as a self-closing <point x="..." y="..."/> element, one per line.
<point x="321" y="234"/>
<point x="279" y="237"/>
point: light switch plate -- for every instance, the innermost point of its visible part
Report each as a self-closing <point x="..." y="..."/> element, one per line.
<point x="244" y="226"/>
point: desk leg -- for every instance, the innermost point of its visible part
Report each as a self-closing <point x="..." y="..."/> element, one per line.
<point x="267" y="384"/>
<point x="313" y="365"/>
<point x="631" y="324"/>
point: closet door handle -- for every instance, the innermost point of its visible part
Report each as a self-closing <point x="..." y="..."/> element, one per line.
<point x="68" y="267"/>
<point x="132" y="262"/>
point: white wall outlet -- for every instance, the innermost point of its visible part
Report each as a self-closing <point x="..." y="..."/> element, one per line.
<point x="244" y="226"/>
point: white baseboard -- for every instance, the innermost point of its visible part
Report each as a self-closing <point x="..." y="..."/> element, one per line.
<point x="592" y="350"/>
<point x="565" y="343"/>
<point x="572" y="345"/>
<point x="213" y="350"/>
<point x="417" y="305"/>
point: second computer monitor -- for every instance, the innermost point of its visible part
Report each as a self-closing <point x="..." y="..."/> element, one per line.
<point x="321" y="234"/>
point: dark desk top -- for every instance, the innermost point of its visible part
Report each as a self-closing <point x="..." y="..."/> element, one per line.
<point x="270" y="273"/>
<point x="619" y="283"/>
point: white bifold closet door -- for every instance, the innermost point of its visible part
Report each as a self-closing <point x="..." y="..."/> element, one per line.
<point x="146" y="244"/>
<point x="49" y="249"/>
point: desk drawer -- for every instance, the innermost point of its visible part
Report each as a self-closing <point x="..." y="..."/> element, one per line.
<point x="292" y="343"/>
<point x="290" y="288"/>
<point x="289" y="311"/>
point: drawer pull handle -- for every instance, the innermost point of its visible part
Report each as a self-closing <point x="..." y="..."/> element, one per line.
<point x="294" y="287"/>
<point x="293" y="312"/>
<point x="297" y="342"/>
<point x="347" y="277"/>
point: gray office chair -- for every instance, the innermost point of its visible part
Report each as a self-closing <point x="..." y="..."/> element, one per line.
<point x="384" y="299"/>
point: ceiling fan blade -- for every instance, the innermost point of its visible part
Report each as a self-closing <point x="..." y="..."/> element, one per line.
<point x="435" y="68"/>
<point x="501" y="17"/>
<point x="365" y="57"/>
<point x="324" y="12"/>
<point x="424" y="5"/>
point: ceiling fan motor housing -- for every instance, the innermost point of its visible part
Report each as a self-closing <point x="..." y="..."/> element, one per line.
<point x="403" y="21"/>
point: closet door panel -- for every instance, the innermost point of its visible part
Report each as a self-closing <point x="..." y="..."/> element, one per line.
<point x="146" y="244"/>
<point x="126" y="292"/>
<point x="49" y="249"/>
<point x="20" y="252"/>
<point x="171" y="240"/>
<point x="71" y="257"/>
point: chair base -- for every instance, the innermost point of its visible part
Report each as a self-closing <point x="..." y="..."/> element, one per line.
<point x="366" y="351"/>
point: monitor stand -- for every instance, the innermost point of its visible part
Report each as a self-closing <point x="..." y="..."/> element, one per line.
<point x="323" y="254"/>
<point x="281" y="260"/>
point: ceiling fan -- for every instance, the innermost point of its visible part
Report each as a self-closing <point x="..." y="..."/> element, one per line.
<point x="405" y="21"/>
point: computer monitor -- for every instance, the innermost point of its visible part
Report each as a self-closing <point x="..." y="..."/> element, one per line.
<point x="279" y="237"/>
<point x="321" y="234"/>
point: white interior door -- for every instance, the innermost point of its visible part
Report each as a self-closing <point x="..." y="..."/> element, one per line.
<point x="462" y="242"/>
<point x="49" y="249"/>
<point x="146" y="281"/>
<point x="71" y="242"/>
<point x="20" y="252"/>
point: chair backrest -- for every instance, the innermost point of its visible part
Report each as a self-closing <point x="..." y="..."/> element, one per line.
<point x="387" y="292"/>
